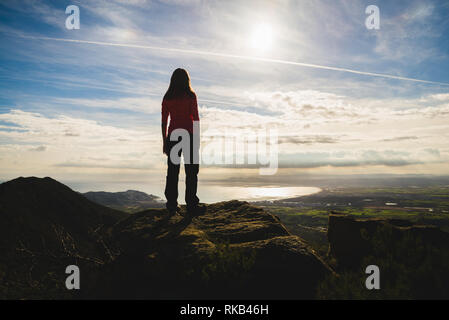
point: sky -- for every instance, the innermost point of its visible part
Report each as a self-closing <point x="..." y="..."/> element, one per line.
<point x="83" y="105"/>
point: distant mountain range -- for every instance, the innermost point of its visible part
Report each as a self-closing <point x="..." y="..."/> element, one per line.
<point x="129" y="201"/>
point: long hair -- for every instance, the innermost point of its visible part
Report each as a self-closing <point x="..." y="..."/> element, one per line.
<point x="179" y="85"/>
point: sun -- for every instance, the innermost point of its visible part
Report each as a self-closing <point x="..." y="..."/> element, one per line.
<point x="261" y="37"/>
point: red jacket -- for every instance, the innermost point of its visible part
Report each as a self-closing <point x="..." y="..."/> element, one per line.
<point x="182" y="111"/>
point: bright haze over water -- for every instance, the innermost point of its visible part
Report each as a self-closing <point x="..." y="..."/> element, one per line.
<point x="218" y="193"/>
<point x="207" y="192"/>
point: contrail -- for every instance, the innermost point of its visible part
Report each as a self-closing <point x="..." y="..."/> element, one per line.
<point x="241" y="57"/>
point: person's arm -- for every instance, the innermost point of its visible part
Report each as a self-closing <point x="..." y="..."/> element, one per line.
<point x="196" y="119"/>
<point x="164" y="127"/>
<point x="194" y="110"/>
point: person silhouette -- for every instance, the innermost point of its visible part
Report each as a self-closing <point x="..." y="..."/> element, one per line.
<point x="180" y="104"/>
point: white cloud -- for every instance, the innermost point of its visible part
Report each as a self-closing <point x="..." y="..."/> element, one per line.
<point x="74" y="142"/>
<point x="440" y="97"/>
<point x="39" y="149"/>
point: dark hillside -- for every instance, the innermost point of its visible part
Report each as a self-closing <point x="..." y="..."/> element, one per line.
<point x="44" y="227"/>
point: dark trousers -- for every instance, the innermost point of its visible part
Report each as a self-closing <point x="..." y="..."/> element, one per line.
<point x="171" y="186"/>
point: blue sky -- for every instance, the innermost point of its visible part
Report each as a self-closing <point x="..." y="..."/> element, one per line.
<point x="89" y="109"/>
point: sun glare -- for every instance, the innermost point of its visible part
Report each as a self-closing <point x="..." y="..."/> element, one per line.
<point x="261" y="37"/>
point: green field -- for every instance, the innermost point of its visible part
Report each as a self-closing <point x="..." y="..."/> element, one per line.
<point x="308" y="216"/>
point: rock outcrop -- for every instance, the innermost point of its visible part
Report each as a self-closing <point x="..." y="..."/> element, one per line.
<point x="233" y="251"/>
